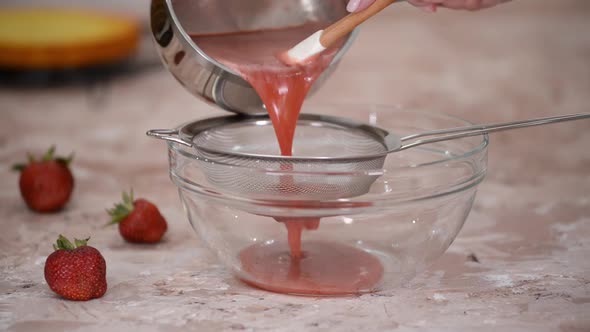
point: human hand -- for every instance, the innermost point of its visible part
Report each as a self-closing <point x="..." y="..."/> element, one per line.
<point x="432" y="5"/>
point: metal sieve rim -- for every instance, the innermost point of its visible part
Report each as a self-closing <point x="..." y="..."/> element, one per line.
<point x="181" y="136"/>
<point x="188" y="132"/>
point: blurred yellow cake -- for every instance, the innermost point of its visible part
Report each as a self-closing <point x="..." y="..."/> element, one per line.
<point x="63" y="38"/>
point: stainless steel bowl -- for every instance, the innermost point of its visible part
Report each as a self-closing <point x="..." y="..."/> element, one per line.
<point x="173" y="20"/>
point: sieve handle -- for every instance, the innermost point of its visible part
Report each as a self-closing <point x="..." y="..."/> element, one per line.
<point x="455" y="133"/>
<point x="170" y="135"/>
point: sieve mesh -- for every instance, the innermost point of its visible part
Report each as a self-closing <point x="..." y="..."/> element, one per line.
<point x="243" y="157"/>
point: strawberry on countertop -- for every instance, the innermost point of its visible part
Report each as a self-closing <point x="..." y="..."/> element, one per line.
<point x="76" y="271"/>
<point x="139" y="220"/>
<point x="47" y="184"/>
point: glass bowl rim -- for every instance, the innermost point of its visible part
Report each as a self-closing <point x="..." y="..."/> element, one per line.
<point x="350" y="204"/>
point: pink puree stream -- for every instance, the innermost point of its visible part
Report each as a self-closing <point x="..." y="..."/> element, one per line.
<point x="320" y="267"/>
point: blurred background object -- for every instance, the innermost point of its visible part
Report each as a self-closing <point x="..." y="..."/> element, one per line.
<point x="48" y="43"/>
<point x="135" y="8"/>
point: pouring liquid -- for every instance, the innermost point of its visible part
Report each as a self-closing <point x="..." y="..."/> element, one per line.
<point x="322" y="268"/>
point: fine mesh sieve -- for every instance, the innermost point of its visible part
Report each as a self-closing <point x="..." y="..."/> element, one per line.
<point x="331" y="156"/>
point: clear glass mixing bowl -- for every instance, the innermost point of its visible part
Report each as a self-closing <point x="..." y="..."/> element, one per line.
<point x="410" y="213"/>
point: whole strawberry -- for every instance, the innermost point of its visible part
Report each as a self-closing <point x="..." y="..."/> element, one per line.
<point x="139" y="220"/>
<point x="76" y="272"/>
<point x="46" y="185"/>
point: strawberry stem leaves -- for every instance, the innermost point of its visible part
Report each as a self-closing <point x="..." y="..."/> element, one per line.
<point x="121" y="210"/>
<point x="67" y="161"/>
<point x="64" y="244"/>
<point x="19" y="167"/>
<point x="31" y="158"/>
<point x="48" y="156"/>
<point x="81" y="243"/>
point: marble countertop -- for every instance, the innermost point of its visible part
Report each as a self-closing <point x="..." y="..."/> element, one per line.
<point x="529" y="228"/>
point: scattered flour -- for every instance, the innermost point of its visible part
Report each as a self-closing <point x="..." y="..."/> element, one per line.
<point x="439" y="297"/>
<point x="499" y="280"/>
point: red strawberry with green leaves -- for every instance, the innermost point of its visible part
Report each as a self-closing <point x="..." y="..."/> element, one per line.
<point x="139" y="220"/>
<point x="46" y="185"/>
<point x="76" y="271"/>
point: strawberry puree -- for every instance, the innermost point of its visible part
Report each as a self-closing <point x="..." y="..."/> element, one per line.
<point x="324" y="269"/>
<point x="321" y="268"/>
<point x="282" y="88"/>
<point x="295" y="227"/>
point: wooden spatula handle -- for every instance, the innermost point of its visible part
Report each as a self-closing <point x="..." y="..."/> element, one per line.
<point x="345" y="25"/>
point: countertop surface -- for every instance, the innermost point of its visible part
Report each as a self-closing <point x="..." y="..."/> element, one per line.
<point x="529" y="228"/>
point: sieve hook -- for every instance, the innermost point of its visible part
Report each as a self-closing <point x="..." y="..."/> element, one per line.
<point x="170" y="135"/>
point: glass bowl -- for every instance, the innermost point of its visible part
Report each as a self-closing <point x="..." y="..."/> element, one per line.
<point x="410" y="212"/>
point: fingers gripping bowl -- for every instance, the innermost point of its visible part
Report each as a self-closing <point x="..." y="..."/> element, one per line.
<point x="404" y="210"/>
